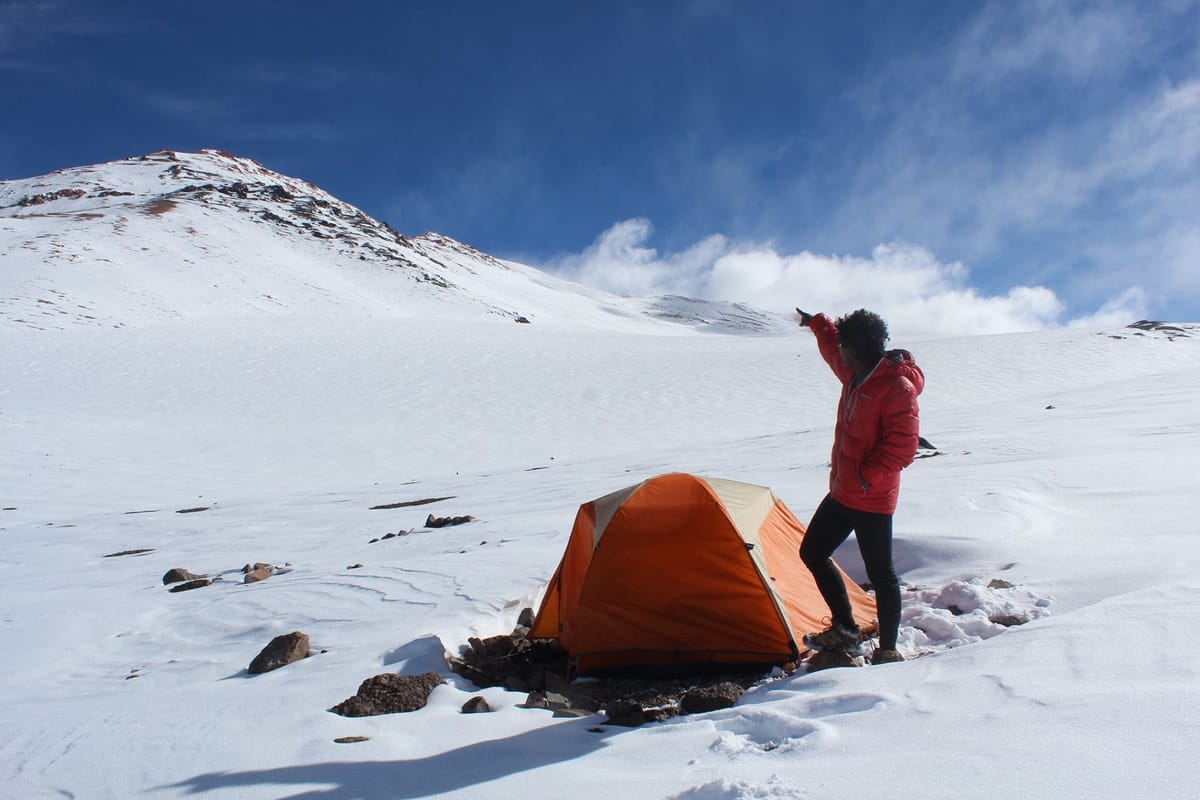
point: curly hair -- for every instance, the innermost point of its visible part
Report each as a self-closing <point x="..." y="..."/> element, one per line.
<point x="864" y="332"/>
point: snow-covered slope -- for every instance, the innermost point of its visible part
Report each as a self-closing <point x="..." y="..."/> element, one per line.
<point x="189" y="235"/>
<point x="1066" y="467"/>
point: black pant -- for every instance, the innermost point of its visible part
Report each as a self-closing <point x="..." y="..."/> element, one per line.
<point x="830" y="526"/>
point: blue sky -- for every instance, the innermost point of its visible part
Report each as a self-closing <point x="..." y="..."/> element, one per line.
<point x="978" y="166"/>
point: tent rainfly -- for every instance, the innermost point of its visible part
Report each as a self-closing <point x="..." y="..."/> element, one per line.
<point x="682" y="572"/>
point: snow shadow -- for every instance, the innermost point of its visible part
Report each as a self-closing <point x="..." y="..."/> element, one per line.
<point x="452" y="770"/>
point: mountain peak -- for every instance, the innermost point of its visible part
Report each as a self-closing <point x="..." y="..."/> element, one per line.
<point x="178" y="235"/>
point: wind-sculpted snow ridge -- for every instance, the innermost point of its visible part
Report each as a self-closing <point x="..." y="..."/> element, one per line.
<point x="171" y="235"/>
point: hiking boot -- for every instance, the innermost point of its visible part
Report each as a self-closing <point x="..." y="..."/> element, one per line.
<point x="836" y="637"/>
<point x="882" y="656"/>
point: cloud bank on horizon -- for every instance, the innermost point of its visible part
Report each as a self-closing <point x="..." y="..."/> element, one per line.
<point x="916" y="293"/>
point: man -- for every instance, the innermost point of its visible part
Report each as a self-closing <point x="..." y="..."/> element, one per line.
<point x="876" y="436"/>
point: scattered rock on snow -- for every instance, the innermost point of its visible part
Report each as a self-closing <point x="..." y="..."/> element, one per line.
<point x="441" y="522"/>
<point x="351" y="739"/>
<point x="178" y="574"/>
<point x="389" y="693"/>
<point x="259" y="572"/>
<point x="185" y="587"/>
<point x="281" y="651"/>
<point x="476" y="705"/>
<point x="137" y="552"/>
<point x="409" y="503"/>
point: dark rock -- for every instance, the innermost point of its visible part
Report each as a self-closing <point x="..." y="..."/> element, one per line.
<point x="260" y="573"/>
<point x="553" y="681"/>
<point x="525" y="619"/>
<point x="389" y="694"/>
<point x="1007" y="620"/>
<point x="476" y="705"/>
<point x="535" y="700"/>
<point x="354" y="566"/>
<point x="193" y="510"/>
<point x="351" y="739"/>
<point x="627" y="713"/>
<point x="179" y="574"/>
<point x="184" y="587"/>
<point x="517" y="683"/>
<point x="999" y="583"/>
<point x="710" y="698"/>
<point x="137" y="552"/>
<point x="281" y="651"/>
<point x="408" y="503"/>
<point x="442" y="522"/>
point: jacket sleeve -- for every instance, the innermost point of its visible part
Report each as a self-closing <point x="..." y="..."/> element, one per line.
<point x="825" y="330"/>
<point x="900" y="431"/>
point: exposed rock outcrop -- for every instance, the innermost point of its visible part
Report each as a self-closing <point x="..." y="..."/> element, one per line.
<point x="389" y="694"/>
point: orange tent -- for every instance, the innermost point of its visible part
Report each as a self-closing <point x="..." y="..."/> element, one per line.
<point x="680" y="572"/>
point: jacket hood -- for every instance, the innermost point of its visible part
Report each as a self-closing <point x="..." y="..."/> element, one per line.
<point x="901" y="362"/>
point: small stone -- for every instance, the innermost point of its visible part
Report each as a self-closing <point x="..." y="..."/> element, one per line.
<point x="354" y="566"/>
<point x="184" y="587"/>
<point x="626" y="713"/>
<point x="999" y="583"/>
<point x="573" y="712"/>
<point x="476" y="705"/>
<point x="351" y="739"/>
<point x="260" y="573"/>
<point x="535" y="700"/>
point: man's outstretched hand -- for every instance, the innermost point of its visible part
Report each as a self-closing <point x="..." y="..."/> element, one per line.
<point x="805" y="317"/>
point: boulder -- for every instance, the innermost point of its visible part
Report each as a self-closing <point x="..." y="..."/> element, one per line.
<point x="178" y="574"/>
<point x="282" y="650"/>
<point x="389" y="694"/>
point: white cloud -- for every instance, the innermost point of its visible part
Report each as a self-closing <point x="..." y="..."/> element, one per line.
<point x="919" y="295"/>
<point x="619" y="262"/>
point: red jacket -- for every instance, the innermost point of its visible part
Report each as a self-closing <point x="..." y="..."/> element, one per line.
<point x="878" y="425"/>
